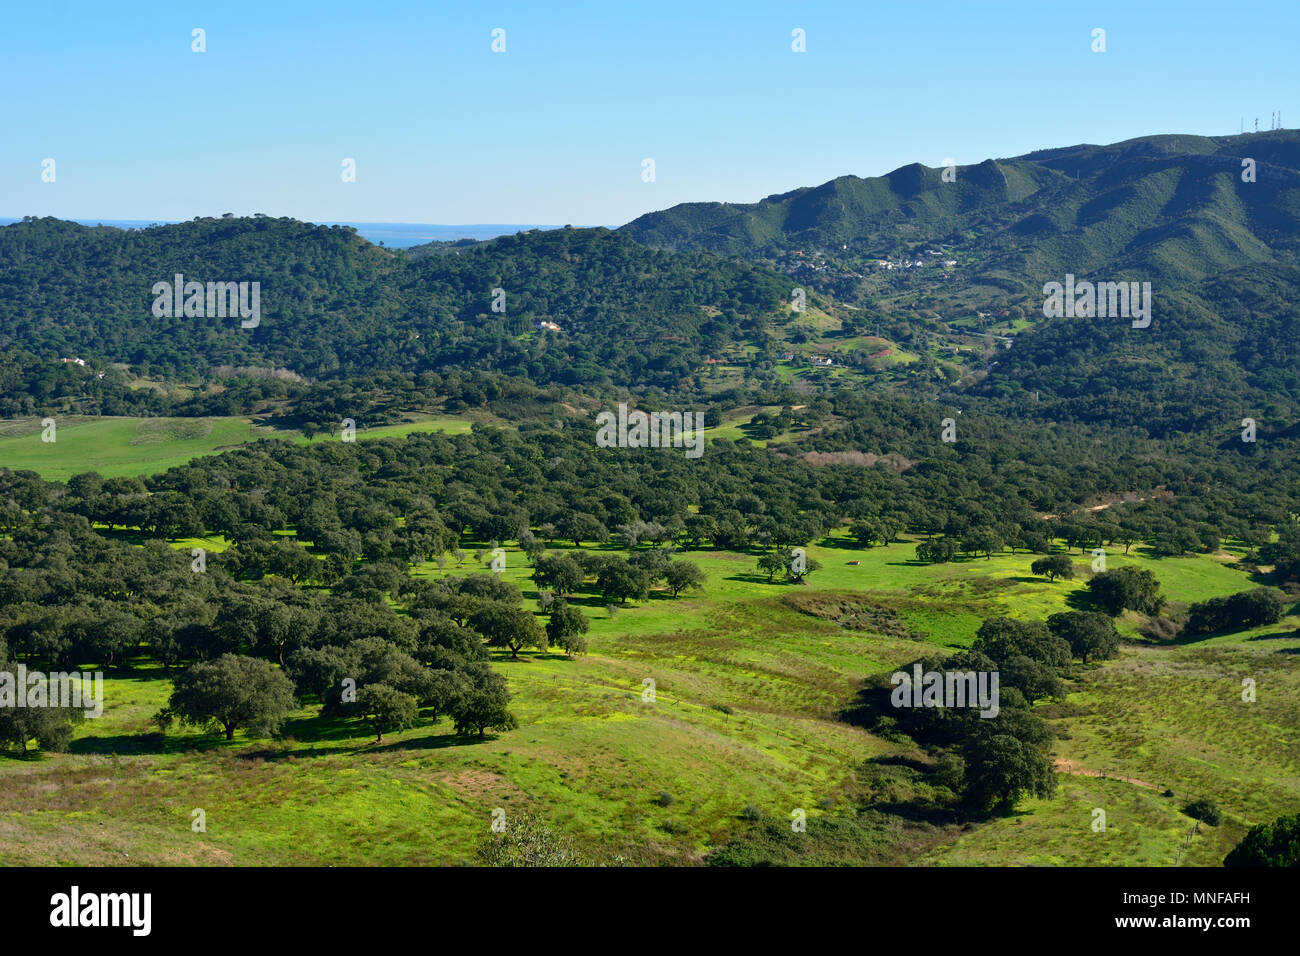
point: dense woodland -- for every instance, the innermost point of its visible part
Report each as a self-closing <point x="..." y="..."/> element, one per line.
<point x="335" y="599"/>
<point x="334" y="305"/>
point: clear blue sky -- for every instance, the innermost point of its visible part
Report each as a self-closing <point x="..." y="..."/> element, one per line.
<point x="555" y="129"/>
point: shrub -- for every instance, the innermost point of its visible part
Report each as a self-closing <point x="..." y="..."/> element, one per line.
<point x="1160" y="629"/>
<point x="1241" y="610"/>
<point x="1204" y="810"/>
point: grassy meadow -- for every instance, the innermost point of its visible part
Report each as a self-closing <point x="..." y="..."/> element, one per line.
<point x="740" y="732"/>
<point x="117" y="447"/>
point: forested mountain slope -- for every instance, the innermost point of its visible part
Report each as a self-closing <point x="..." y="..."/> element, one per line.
<point x="332" y="303"/>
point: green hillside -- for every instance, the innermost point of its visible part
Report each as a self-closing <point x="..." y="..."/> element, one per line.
<point x="1166" y="204"/>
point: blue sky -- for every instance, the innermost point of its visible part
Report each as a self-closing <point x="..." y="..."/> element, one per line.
<point x="555" y="129"/>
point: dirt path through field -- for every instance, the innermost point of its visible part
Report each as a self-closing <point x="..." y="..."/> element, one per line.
<point x="1069" y="766"/>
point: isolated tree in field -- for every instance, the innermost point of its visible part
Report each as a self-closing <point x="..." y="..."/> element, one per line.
<point x="234" y="692"/>
<point x="782" y="560"/>
<point x="1053" y="567"/>
<point x="1269" y="844"/>
<point x="508" y="625"/>
<point x="771" y="563"/>
<point x="485" y="704"/>
<point x="386" y="708"/>
<point x="683" y="576"/>
<point x="1089" y="634"/>
<point x="1207" y="811"/>
<point x="51" y="727"/>
<point x="1126" y="589"/>
<point x="566" y="628"/>
<point x="797" y="574"/>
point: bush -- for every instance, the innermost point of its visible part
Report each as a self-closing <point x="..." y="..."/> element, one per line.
<point x="1244" y="609"/>
<point x="1204" y="810"/>
<point x="1126" y="589"/>
<point x="1160" y="629"/>
<point x="527" y="841"/>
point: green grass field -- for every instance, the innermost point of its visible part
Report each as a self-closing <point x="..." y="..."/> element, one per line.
<point x="744" y="716"/>
<point x="142" y="446"/>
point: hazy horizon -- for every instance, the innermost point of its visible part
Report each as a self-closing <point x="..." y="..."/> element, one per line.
<point x="556" y="127"/>
<point x="398" y="235"/>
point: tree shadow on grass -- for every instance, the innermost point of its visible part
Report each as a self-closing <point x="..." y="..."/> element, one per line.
<point x="1260" y="578"/>
<point x="364" y="743"/>
<point x="578" y="599"/>
<point x="125" y="745"/>
<point x="919" y="813"/>
<point x="1276" y="636"/>
<point x="434" y="742"/>
<point x="1078" y="601"/>
<point x="900" y="760"/>
<point x="756" y="577"/>
<point x="548" y="655"/>
<point x="320" y="728"/>
<point x="1182" y="640"/>
<point x="842" y="544"/>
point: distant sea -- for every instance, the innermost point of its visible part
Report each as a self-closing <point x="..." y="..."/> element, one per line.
<point x="396" y="234"/>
